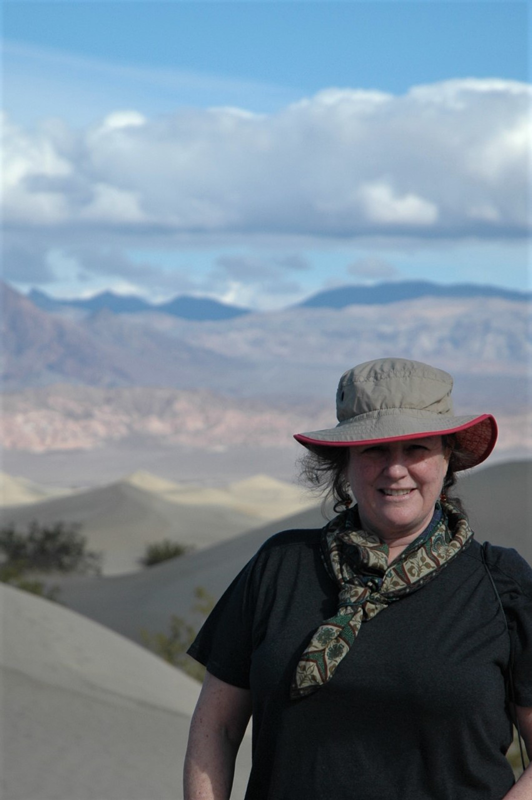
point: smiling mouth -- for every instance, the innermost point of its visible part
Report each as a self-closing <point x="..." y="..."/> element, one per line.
<point x="396" y="492"/>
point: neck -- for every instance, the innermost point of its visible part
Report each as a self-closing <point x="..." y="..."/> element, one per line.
<point x="398" y="540"/>
<point x="395" y="550"/>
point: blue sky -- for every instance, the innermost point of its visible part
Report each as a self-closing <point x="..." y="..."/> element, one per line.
<point x="259" y="151"/>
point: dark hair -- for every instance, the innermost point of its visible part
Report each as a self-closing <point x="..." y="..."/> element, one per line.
<point x="324" y="468"/>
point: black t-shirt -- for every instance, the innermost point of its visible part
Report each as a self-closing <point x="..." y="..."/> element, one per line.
<point x="415" y="711"/>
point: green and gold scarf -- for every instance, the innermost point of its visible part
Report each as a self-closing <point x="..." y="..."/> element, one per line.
<point x="358" y="562"/>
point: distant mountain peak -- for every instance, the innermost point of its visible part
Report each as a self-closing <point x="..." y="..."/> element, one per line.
<point x="199" y="309"/>
<point x="399" y="291"/>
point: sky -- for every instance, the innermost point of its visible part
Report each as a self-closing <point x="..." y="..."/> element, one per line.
<point x="258" y="152"/>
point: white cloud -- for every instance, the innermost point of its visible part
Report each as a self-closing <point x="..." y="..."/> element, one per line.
<point x="123" y="119"/>
<point x="505" y="149"/>
<point x="264" y="297"/>
<point x="110" y="267"/>
<point x="111" y="205"/>
<point x="27" y="160"/>
<point x="381" y="204"/>
<point x="447" y="160"/>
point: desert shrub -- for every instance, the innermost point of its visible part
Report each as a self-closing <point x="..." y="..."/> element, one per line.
<point x="157" y="552"/>
<point x="173" y="646"/>
<point x="204" y="601"/>
<point x="13" y="574"/>
<point x="47" y="548"/>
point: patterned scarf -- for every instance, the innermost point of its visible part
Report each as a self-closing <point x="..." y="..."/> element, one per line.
<point x="358" y="562"/>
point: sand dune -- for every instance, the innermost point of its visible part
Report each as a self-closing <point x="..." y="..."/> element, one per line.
<point x="51" y="644"/>
<point x="143" y="479"/>
<point x="87" y="714"/>
<point x="120" y="519"/>
<point x="261" y="495"/>
<point x="19" y="491"/>
<point x="499" y="503"/>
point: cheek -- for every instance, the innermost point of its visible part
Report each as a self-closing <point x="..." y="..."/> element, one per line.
<point x="436" y="475"/>
<point x="360" y="476"/>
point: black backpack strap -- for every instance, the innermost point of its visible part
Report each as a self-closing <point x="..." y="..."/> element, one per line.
<point x="510" y="688"/>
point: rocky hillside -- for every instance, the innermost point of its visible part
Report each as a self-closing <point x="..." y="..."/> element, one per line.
<point x="252" y="380"/>
<point x="72" y="418"/>
<point x="40" y="348"/>
<point x="260" y="353"/>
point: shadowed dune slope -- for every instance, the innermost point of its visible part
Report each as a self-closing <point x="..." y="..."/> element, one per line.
<point x="147" y="599"/>
<point x="496" y="498"/>
<point x="89" y="714"/>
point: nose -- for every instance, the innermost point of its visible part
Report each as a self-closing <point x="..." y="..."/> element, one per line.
<point x="395" y="464"/>
<point x="395" y="470"/>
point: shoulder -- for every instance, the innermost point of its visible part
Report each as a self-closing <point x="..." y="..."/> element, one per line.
<point x="508" y="568"/>
<point x="279" y="553"/>
<point x="287" y="552"/>
<point x="292" y="540"/>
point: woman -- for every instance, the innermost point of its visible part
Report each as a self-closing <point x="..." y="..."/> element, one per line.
<point x="373" y="653"/>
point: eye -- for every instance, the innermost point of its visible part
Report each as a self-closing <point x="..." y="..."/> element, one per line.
<point x="418" y="447"/>
<point x="374" y="448"/>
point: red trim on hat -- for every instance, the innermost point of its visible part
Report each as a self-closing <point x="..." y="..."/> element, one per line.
<point x="404" y="437"/>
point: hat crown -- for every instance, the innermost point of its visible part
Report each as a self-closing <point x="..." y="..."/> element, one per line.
<point x="393" y="383"/>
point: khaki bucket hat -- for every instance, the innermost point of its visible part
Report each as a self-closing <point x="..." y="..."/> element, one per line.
<point x="392" y="399"/>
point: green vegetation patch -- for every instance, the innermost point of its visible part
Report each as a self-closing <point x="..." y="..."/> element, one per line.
<point x="173" y="646"/>
<point x="158" y="552"/>
<point x="44" y="549"/>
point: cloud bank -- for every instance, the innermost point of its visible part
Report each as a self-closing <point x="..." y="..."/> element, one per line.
<point x="444" y="162"/>
<point x="449" y="159"/>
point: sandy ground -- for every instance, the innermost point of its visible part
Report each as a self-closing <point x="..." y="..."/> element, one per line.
<point x="87" y="714"/>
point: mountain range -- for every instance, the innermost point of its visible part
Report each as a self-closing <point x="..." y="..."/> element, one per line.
<point x="398" y="291"/>
<point x="260" y="354"/>
<point x="41" y="349"/>
<point x="186" y="307"/>
<point x="203" y="308"/>
<point x="80" y="381"/>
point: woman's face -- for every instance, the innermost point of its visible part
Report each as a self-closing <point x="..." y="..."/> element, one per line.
<point x="396" y="485"/>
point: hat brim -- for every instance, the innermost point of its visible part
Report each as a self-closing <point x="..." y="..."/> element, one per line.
<point x="476" y="435"/>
